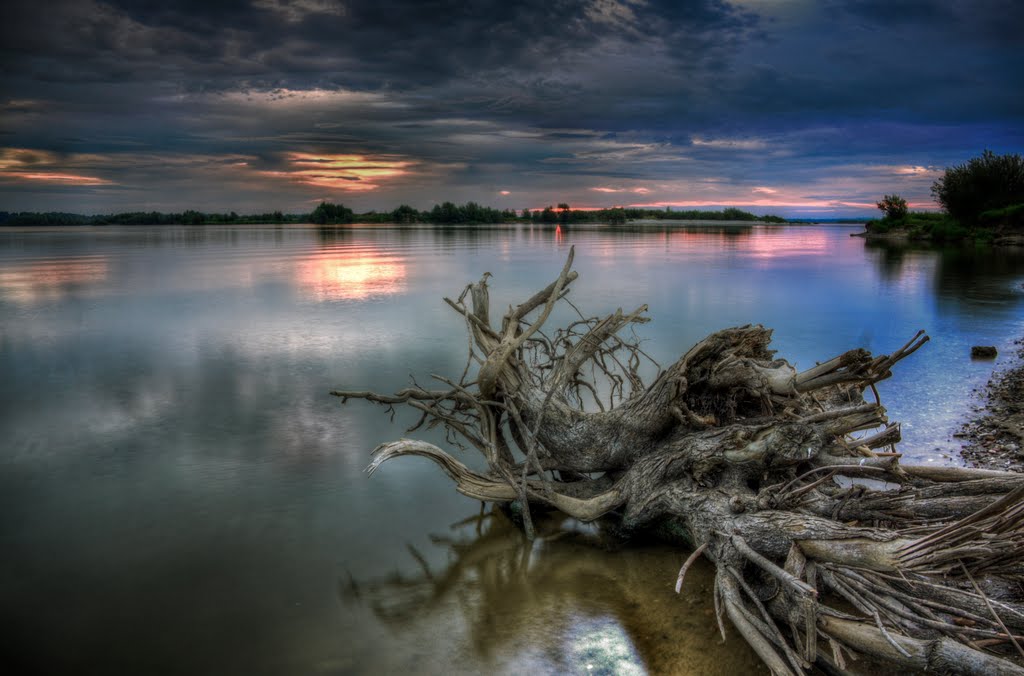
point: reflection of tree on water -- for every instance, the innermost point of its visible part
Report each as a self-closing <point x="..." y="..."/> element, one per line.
<point x="971" y="275"/>
<point x="332" y="234"/>
<point x="986" y="275"/>
<point x="560" y="603"/>
<point x="889" y="257"/>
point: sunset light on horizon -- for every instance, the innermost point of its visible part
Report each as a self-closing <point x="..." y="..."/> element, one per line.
<point x="272" y="105"/>
<point x="632" y="337"/>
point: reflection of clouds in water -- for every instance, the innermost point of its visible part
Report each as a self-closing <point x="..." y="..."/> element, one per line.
<point x="566" y="603"/>
<point x="331" y="274"/>
<point x="215" y="408"/>
<point x="601" y="646"/>
<point x="125" y="415"/>
<point x="33" y="282"/>
<point x="788" y="243"/>
<point x="342" y="275"/>
<point x="254" y="333"/>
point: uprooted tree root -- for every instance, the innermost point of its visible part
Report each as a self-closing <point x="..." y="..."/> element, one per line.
<point x="749" y="461"/>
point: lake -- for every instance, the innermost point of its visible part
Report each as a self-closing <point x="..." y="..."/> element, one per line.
<point x="180" y="494"/>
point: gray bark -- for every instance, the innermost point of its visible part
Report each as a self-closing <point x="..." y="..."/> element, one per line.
<point x="737" y="453"/>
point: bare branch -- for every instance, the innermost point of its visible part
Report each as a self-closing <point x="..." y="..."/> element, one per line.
<point x="733" y="448"/>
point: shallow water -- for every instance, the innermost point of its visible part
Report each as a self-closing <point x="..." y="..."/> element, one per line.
<point x="179" y="494"/>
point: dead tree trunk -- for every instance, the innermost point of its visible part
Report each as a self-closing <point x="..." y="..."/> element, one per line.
<point x="749" y="461"/>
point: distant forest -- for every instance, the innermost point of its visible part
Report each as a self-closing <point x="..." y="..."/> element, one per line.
<point x="447" y="213"/>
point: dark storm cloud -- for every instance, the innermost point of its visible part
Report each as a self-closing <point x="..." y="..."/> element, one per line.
<point x="922" y="59"/>
<point x="357" y="43"/>
<point x="599" y="99"/>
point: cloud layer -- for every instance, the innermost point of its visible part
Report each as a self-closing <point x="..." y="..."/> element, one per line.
<point x="791" y="106"/>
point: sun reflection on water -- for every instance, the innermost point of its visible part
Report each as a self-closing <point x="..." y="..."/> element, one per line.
<point x="788" y="243"/>
<point x="44" y="280"/>
<point x="601" y="646"/>
<point x="571" y="601"/>
<point x="334" y="275"/>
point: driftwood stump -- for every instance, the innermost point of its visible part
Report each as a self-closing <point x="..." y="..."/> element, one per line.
<point x="757" y="466"/>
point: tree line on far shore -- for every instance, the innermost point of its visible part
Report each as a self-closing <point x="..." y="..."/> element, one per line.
<point x="447" y="213"/>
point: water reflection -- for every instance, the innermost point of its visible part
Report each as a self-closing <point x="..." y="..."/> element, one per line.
<point x="976" y="278"/>
<point x="340" y="274"/>
<point x="793" y="242"/>
<point x="47" y="280"/>
<point x="889" y="257"/>
<point x="329" y="235"/>
<point x="572" y="601"/>
<point x="174" y="473"/>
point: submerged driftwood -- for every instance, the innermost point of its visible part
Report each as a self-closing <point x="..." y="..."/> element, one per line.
<point x="753" y="464"/>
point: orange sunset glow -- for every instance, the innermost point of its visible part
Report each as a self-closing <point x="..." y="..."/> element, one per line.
<point x="353" y="173"/>
<point x="67" y="179"/>
<point x="49" y="280"/>
<point x="759" y="203"/>
<point x="26" y="164"/>
<point x="334" y="275"/>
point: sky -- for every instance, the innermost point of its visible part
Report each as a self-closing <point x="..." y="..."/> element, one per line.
<point x="793" y="107"/>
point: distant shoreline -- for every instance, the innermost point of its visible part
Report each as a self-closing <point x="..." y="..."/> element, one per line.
<point x="684" y="221"/>
<point x="447" y="213"/>
<point x="643" y="223"/>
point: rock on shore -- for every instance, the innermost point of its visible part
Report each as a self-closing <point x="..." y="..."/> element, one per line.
<point x="996" y="439"/>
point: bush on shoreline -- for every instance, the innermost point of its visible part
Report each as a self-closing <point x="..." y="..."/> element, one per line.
<point x="921" y="225"/>
<point x="981" y="199"/>
<point x="981" y="185"/>
<point x="893" y="206"/>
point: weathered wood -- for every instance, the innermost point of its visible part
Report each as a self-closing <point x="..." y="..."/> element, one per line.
<point x="741" y="455"/>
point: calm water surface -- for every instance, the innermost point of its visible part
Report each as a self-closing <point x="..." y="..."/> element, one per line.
<point x="179" y="494"/>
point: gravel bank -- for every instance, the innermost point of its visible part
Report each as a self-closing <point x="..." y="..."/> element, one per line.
<point x="995" y="440"/>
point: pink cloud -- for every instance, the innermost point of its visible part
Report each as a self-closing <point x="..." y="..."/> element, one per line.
<point x="63" y="179"/>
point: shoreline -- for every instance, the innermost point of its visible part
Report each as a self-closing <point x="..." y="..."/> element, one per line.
<point x="426" y="224"/>
<point x="994" y="437"/>
<point x="903" y="236"/>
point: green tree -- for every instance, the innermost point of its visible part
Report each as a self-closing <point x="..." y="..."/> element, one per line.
<point x="326" y="212"/>
<point x="615" y="215"/>
<point x="893" y="206"/>
<point x="734" y="214"/>
<point x="446" y="213"/>
<point x="980" y="184"/>
<point x="405" y="214"/>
